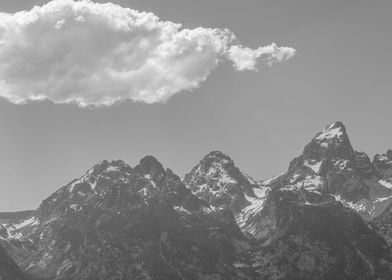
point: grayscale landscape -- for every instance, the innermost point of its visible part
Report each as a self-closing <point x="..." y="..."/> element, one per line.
<point x="195" y="140"/>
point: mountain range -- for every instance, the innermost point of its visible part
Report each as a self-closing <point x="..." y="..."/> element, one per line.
<point x="328" y="216"/>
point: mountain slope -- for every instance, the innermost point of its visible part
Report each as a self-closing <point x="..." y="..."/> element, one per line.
<point x="219" y="182"/>
<point x="383" y="224"/>
<point x="8" y="269"/>
<point x="383" y="166"/>
<point x="325" y="241"/>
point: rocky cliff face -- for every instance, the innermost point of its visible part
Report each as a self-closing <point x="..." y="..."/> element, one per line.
<point x="9" y="270"/>
<point x="383" y="224"/>
<point x="383" y="166"/>
<point x="219" y="182"/>
<point x="328" y="165"/>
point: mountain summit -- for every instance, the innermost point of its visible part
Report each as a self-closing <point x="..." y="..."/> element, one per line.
<point x="218" y="181"/>
<point x="328" y="166"/>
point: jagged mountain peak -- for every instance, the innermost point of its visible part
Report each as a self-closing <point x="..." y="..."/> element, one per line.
<point x="117" y="186"/>
<point x="336" y="125"/>
<point x="218" y="155"/>
<point x="150" y="161"/>
<point x="151" y="168"/>
<point x="103" y="179"/>
<point x="332" y="138"/>
<point x="106" y="163"/>
<point x="333" y="130"/>
<point x="115" y="170"/>
<point x="383" y="166"/>
<point x="330" y="165"/>
<point x="363" y="164"/>
<point x="218" y="181"/>
<point x="331" y="142"/>
<point x="386" y="158"/>
<point x="218" y="166"/>
<point x="216" y="161"/>
<point x="109" y="166"/>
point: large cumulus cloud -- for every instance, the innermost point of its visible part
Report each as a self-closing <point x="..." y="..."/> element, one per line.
<point x="98" y="54"/>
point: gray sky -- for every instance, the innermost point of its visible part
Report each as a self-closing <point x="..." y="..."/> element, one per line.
<point x="341" y="71"/>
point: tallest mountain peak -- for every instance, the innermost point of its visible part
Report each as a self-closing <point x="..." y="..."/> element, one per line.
<point x="335" y="130"/>
<point x="329" y="164"/>
<point x="333" y="136"/>
<point x="332" y="139"/>
<point x="336" y="124"/>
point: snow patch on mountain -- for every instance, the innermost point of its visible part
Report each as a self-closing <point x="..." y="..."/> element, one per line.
<point x="314" y="165"/>
<point x="210" y="209"/>
<point x="84" y="178"/>
<point x="341" y="163"/>
<point x="13" y="228"/>
<point x="333" y="131"/>
<point x="271" y="180"/>
<point x="383" y="158"/>
<point x="359" y="207"/>
<point x="31" y="221"/>
<point x="256" y="204"/>
<point x="181" y="209"/>
<point x="261" y="192"/>
<point x="309" y="183"/>
<point x="386" y="184"/>
<point x="112" y="169"/>
<point x="254" y="208"/>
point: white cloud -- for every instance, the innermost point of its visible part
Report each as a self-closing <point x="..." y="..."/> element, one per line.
<point x="246" y="58"/>
<point x="98" y="54"/>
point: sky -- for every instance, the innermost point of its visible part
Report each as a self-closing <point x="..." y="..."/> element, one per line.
<point x="260" y="106"/>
